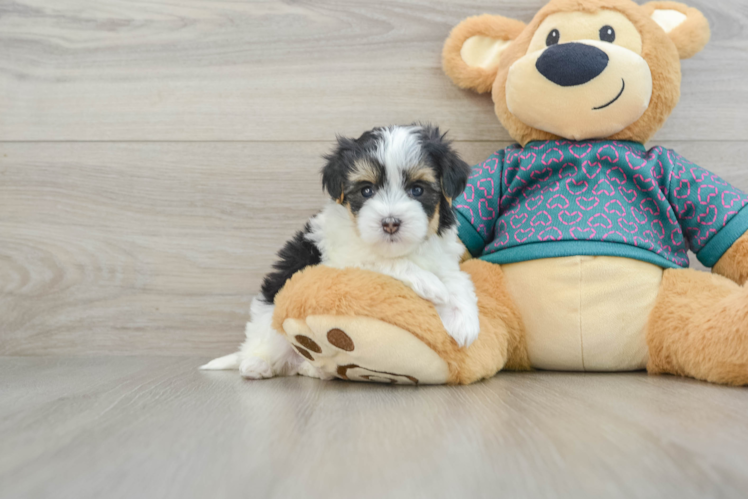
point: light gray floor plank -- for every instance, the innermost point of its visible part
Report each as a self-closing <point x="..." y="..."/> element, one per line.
<point x="147" y="426"/>
<point x="142" y="248"/>
<point x="269" y="70"/>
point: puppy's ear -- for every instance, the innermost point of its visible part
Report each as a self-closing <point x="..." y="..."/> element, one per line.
<point x="687" y="27"/>
<point x="453" y="172"/>
<point x="472" y="52"/>
<point x="338" y="165"/>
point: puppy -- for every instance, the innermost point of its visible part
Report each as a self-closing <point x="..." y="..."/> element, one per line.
<point x="391" y="213"/>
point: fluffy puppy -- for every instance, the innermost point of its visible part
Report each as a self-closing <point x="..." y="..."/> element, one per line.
<point x="391" y="213"/>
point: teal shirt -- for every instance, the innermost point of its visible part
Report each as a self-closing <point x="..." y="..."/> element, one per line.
<point x="562" y="198"/>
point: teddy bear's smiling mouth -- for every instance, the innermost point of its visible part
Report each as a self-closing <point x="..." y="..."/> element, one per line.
<point x="623" y="87"/>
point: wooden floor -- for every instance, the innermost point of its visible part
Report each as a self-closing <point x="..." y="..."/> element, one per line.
<point x="155" y="154"/>
<point x="155" y="426"/>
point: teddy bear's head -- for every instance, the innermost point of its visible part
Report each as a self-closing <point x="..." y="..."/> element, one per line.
<point x="581" y="69"/>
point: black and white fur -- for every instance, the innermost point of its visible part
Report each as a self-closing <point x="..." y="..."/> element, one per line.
<point x="390" y="212"/>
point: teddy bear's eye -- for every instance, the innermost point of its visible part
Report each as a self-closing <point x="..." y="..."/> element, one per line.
<point x="553" y="37"/>
<point x="607" y="34"/>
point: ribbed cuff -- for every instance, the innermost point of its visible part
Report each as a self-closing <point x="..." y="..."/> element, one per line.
<point x="723" y="240"/>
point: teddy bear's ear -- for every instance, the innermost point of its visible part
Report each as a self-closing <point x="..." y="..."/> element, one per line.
<point x="687" y="27"/>
<point x="472" y="52"/>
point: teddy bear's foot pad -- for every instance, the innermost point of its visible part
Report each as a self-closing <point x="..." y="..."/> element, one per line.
<point x="366" y="350"/>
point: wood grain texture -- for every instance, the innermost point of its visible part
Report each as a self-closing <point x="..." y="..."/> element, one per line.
<point x="156" y="427"/>
<point x="270" y="70"/>
<point x="142" y="248"/>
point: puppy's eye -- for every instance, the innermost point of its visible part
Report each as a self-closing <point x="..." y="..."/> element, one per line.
<point x="416" y="191"/>
<point x="553" y="38"/>
<point x="367" y="192"/>
<point x="607" y="34"/>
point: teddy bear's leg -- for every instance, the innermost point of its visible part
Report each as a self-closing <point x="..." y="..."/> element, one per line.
<point x="699" y="328"/>
<point x="359" y="325"/>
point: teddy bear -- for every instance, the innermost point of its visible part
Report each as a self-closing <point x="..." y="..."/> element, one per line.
<point x="576" y="236"/>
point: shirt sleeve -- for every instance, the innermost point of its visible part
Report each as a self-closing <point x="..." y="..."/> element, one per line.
<point x="711" y="213"/>
<point x="477" y="208"/>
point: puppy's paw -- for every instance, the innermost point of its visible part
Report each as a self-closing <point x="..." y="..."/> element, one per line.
<point x="431" y="288"/>
<point x="461" y="323"/>
<point x="306" y="369"/>
<point x="255" y="368"/>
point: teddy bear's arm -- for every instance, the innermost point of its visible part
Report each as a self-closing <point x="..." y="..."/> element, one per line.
<point x="711" y="212"/>
<point x="734" y="263"/>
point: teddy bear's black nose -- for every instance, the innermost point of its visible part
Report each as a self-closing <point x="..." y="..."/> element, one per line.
<point x="569" y="64"/>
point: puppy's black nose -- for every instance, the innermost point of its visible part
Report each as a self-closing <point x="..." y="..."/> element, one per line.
<point x="569" y="64"/>
<point x="391" y="225"/>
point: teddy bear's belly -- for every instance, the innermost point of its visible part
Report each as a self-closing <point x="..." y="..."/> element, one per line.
<point x="585" y="313"/>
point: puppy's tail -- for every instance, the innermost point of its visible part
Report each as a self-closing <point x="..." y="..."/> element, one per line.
<point x="228" y="362"/>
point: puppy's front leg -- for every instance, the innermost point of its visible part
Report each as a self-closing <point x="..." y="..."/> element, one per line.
<point x="426" y="284"/>
<point x="460" y="313"/>
<point x="452" y="293"/>
<point x="306" y="369"/>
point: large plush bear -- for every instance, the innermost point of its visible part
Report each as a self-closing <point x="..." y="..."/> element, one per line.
<point x="579" y="235"/>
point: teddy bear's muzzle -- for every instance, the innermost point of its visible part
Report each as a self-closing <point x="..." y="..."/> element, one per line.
<point x="579" y="90"/>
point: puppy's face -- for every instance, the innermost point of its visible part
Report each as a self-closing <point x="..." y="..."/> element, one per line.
<point x="397" y="184"/>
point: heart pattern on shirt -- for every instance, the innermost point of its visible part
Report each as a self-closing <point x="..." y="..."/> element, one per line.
<point x="607" y="191"/>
